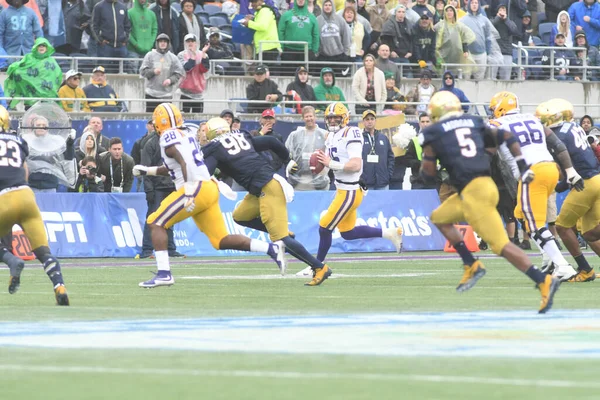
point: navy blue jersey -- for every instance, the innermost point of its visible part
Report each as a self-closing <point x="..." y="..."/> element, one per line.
<point x="582" y="156"/>
<point x="13" y="152"/>
<point x="459" y="143"/>
<point x="236" y="154"/>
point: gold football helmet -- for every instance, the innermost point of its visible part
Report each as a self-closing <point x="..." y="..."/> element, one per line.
<point x="4" y="119"/>
<point x="337" y="116"/>
<point x="504" y="102"/>
<point x="555" y="112"/>
<point x="444" y="104"/>
<point x="215" y="127"/>
<point x="166" y="116"/>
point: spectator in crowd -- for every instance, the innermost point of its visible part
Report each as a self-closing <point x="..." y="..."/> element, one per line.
<point x="302" y="143"/>
<point x="368" y="86"/>
<point x="136" y="150"/>
<point x="77" y="20"/>
<point x="585" y="16"/>
<point x="314" y="8"/>
<point x="591" y="56"/>
<point x="361" y="9"/>
<point x="167" y="19"/>
<point x="460" y="13"/>
<point x="228" y="116"/>
<point x="422" y="6"/>
<point x="298" y="24"/>
<point x="190" y="23"/>
<point x="267" y="123"/>
<point x="87" y="146"/>
<point x="448" y="84"/>
<point x="378" y="15"/>
<point x="423" y="51"/>
<point x="563" y="58"/>
<point x="360" y="37"/>
<point x="393" y="96"/>
<point x="336" y="37"/>
<point x="564" y="26"/>
<point x="264" y="25"/>
<point x="439" y="11"/>
<point x="514" y="8"/>
<point x="156" y="188"/>
<point x="302" y="87"/>
<point x="19" y="27"/>
<point x="526" y="37"/>
<point x="452" y="40"/>
<point x="116" y="168"/>
<point x="111" y="28"/>
<point x="553" y="7"/>
<point x="327" y="91"/>
<point x="236" y="125"/>
<point x="377" y="155"/>
<point x="363" y="21"/>
<point x="587" y="123"/>
<point x="263" y="89"/>
<point x="95" y="125"/>
<point x="421" y="94"/>
<point x="478" y="22"/>
<point x="220" y="51"/>
<point x="411" y="16"/>
<point x="88" y="180"/>
<point x="385" y="64"/>
<point x="99" y="89"/>
<point x="70" y="90"/>
<point x="397" y="35"/>
<point x="35" y="75"/>
<point x="507" y="30"/>
<point x="144" y="29"/>
<point x="163" y="71"/>
<point x="195" y="63"/>
<point x="414" y="156"/>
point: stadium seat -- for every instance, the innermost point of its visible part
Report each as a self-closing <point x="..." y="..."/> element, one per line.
<point x="537" y="41"/>
<point x="176" y="6"/>
<point x="545" y="30"/>
<point x="218" y="20"/>
<point x="212" y="9"/>
<point x="227" y="30"/>
<point x="541" y="17"/>
<point x="64" y="65"/>
<point x="204" y="18"/>
<point x="198" y="9"/>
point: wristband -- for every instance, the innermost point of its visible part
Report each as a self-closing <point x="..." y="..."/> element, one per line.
<point x="336" y="165"/>
<point x="151" y="170"/>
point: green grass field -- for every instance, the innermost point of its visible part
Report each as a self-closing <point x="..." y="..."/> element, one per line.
<point x="380" y="328"/>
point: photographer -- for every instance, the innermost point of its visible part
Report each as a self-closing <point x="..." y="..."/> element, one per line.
<point x="88" y="180"/>
<point x="116" y="168"/>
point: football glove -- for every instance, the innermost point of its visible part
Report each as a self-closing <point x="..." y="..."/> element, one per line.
<point x="190" y="200"/>
<point x="527" y="175"/>
<point x="140" y="170"/>
<point x="291" y="168"/>
<point x="574" y="179"/>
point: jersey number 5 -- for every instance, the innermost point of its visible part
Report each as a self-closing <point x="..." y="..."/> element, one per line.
<point x="13" y="159"/>
<point x="234" y="143"/>
<point x="466" y="143"/>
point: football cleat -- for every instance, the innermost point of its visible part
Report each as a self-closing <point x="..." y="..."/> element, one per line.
<point x="60" y="292"/>
<point x="16" y="267"/>
<point x="161" y="278"/>
<point x="279" y="256"/>
<point x="583" y="276"/>
<point x="319" y="275"/>
<point x="547" y="289"/>
<point x="564" y="273"/>
<point x="306" y="272"/>
<point x="395" y="236"/>
<point x="471" y="275"/>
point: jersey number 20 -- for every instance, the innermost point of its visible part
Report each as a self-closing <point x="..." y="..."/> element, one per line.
<point x="13" y="159"/>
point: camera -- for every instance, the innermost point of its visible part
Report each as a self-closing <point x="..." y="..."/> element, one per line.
<point x="91" y="170"/>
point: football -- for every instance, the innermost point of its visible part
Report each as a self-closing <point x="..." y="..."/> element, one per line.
<point x="315" y="165"/>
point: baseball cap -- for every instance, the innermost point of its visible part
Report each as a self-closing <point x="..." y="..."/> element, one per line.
<point x="268" y="113"/>
<point x="99" y="68"/>
<point x="580" y="34"/>
<point x="301" y="68"/>
<point x="71" y="73"/>
<point x="261" y="69"/>
<point x="367" y="113"/>
<point x="190" y="36"/>
<point x="236" y="119"/>
<point x="214" y="31"/>
<point x="426" y="14"/>
<point x="560" y="34"/>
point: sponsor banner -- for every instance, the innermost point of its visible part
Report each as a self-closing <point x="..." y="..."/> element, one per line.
<point x="111" y="225"/>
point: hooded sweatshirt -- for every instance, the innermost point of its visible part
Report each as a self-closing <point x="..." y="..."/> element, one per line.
<point x="457" y="92"/>
<point x="305" y="90"/>
<point x="264" y="25"/>
<point x="569" y="31"/>
<point x="143" y="28"/>
<point x="397" y="35"/>
<point x="335" y="34"/>
<point x="479" y="23"/>
<point x="328" y="93"/>
<point x="581" y="9"/>
<point x="299" y="24"/>
<point x="170" y="68"/>
<point x="19" y="41"/>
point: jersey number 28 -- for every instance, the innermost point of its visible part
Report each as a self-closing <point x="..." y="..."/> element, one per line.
<point x="12" y="159"/>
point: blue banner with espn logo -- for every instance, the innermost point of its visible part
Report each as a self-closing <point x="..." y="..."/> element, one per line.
<point x="111" y="225"/>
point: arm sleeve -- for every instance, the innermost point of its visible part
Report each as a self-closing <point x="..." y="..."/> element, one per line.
<point x="354" y="149"/>
<point x="263" y="143"/>
<point x="132" y="39"/>
<point x="96" y="21"/>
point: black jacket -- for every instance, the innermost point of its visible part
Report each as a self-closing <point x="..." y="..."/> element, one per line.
<point x="305" y="90"/>
<point x="377" y="174"/>
<point x="104" y="169"/>
<point x="397" y="36"/>
<point x="163" y="24"/>
<point x="151" y="157"/>
<point x="507" y="29"/>
<point x="423" y="45"/>
<point x="85" y="185"/>
<point x="109" y="17"/>
<point x="258" y="91"/>
<point x="77" y="16"/>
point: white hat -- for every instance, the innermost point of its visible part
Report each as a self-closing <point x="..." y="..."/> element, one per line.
<point x="71" y="73"/>
<point x="190" y="36"/>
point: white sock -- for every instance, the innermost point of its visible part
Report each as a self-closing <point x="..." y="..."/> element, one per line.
<point x="259" y="246"/>
<point x="388" y="233"/>
<point x="162" y="260"/>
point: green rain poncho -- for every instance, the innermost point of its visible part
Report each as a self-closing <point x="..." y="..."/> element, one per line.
<point x="450" y="37"/>
<point x="36" y="75"/>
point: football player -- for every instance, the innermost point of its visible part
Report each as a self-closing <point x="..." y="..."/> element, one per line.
<point x="538" y="145"/>
<point x="557" y="114"/>
<point x="344" y="146"/>
<point x="459" y="142"/>
<point x="264" y="207"/>
<point x="18" y="206"/>
<point x="196" y="196"/>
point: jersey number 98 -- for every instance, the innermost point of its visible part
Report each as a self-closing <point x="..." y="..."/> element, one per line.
<point x="234" y="143"/>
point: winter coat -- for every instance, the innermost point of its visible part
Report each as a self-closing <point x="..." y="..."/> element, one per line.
<point x="66" y="91"/>
<point x="165" y="18"/>
<point x="111" y="23"/>
<point x="328" y="93"/>
<point x="183" y="30"/>
<point x="592" y="29"/>
<point x="459" y="93"/>
<point x="359" y="87"/>
<point x="507" y="29"/>
<point x="259" y="91"/>
<point x="264" y="26"/>
<point x="170" y="68"/>
<point x="570" y="35"/>
<point x="479" y="23"/>
<point x="423" y="45"/>
<point x="397" y="36"/>
<point x="305" y="90"/>
<point x="377" y="174"/>
<point x="17" y="42"/>
<point x="76" y="15"/>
